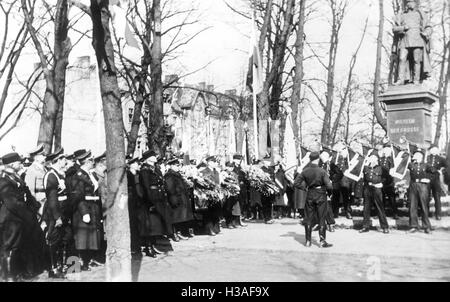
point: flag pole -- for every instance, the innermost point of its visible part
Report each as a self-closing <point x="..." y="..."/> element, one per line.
<point x="255" y="107"/>
<point x="255" y="126"/>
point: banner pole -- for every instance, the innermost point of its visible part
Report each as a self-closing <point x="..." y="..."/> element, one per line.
<point x="255" y="126"/>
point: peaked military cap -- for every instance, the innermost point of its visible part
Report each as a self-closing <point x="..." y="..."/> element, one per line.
<point x="148" y="154"/>
<point x="237" y="156"/>
<point x="100" y="157"/>
<point x="38" y="150"/>
<point x="11" y="158"/>
<point x="55" y="155"/>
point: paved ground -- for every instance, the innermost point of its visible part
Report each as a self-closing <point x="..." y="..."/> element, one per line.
<point x="276" y="252"/>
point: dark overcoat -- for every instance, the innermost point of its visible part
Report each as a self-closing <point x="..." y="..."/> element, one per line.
<point x="178" y="197"/>
<point x="20" y="233"/>
<point x="155" y="214"/>
<point x="88" y="236"/>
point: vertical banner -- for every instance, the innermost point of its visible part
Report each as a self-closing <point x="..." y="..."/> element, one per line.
<point x="274" y="134"/>
<point x="250" y="140"/>
<point x="290" y="155"/>
<point x="186" y="133"/>
<point x="262" y="138"/>
<point x="244" y="151"/>
<point x="240" y="135"/>
<point x="232" y="139"/>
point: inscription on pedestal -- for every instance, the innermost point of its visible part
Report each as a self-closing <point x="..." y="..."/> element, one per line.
<point x="408" y="110"/>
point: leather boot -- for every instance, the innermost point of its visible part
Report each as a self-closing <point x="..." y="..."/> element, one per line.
<point x="323" y="236"/>
<point x="308" y="234"/>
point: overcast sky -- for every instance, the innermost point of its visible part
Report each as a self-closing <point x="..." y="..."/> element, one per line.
<point x="226" y="42"/>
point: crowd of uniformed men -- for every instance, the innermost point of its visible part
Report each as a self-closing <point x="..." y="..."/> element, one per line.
<point x="54" y="206"/>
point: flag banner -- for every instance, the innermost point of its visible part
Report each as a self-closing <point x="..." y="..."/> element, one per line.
<point x="262" y="138"/>
<point x="245" y="151"/>
<point x="412" y="148"/>
<point x="395" y="150"/>
<point x="355" y="166"/>
<point x="401" y="162"/>
<point x="366" y="157"/>
<point x="255" y="79"/>
<point x="240" y="135"/>
<point x="232" y="137"/>
<point x="290" y="155"/>
<point x="121" y="26"/>
<point x="250" y="140"/>
<point x="274" y="131"/>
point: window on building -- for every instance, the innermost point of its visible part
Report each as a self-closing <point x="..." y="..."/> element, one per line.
<point x="130" y="115"/>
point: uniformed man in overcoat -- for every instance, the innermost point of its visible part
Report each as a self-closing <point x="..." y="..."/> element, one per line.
<point x="58" y="230"/>
<point x="22" y="240"/>
<point x="373" y="195"/>
<point x="135" y="201"/>
<point x="419" y="191"/>
<point x="211" y="219"/>
<point x="268" y="201"/>
<point x="87" y="219"/>
<point x="178" y="197"/>
<point x="316" y="182"/>
<point x="437" y="163"/>
<point x="243" y="189"/>
<point x="156" y="214"/>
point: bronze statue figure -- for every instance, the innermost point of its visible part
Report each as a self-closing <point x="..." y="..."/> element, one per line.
<point x="412" y="31"/>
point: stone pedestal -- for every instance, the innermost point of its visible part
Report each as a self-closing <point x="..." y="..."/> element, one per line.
<point x="408" y="111"/>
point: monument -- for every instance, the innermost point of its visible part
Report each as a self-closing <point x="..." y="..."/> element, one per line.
<point x="408" y="102"/>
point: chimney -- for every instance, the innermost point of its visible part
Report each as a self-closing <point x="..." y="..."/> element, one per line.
<point x="171" y="78"/>
<point x="231" y="92"/>
<point x="202" y="85"/>
<point x="210" y="87"/>
<point x="82" y="62"/>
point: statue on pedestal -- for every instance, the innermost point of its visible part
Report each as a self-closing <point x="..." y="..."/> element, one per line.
<point x="413" y="32"/>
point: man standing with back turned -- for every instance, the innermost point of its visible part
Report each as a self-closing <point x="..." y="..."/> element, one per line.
<point x="317" y="183"/>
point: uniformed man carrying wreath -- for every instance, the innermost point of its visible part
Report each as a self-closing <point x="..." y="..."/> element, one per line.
<point x="316" y="182"/>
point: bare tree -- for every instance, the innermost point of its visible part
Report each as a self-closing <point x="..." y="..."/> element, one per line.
<point x="348" y="87"/>
<point x="146" y="87"/>
<point x="118" y="252"/>
<point x="338" y="10"/>
<point x="268" y="105"/>
<point x="376" y="83"/>
<point x="298" y="77"/>
<point x="444" y="73"/>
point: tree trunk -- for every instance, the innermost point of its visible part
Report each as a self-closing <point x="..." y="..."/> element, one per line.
<point x="298" y="77"/>
<point x="325" y="134"/>
<point x="48" y="117"/>
<point x="156" y="138"/>
<point x="376" y="83"/>
<point x="443" y="84"/>
<point x="54" y="75"/>
<point x="278" y="58"/>
<point x="141" y="91"/>
<point x="118" y="258"/>
<point x="62" y="49"/>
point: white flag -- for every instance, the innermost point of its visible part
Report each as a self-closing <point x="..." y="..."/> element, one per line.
<point x="290" y="156"/>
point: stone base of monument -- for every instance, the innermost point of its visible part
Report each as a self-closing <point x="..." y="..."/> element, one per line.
<point x="408" y="109"/>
